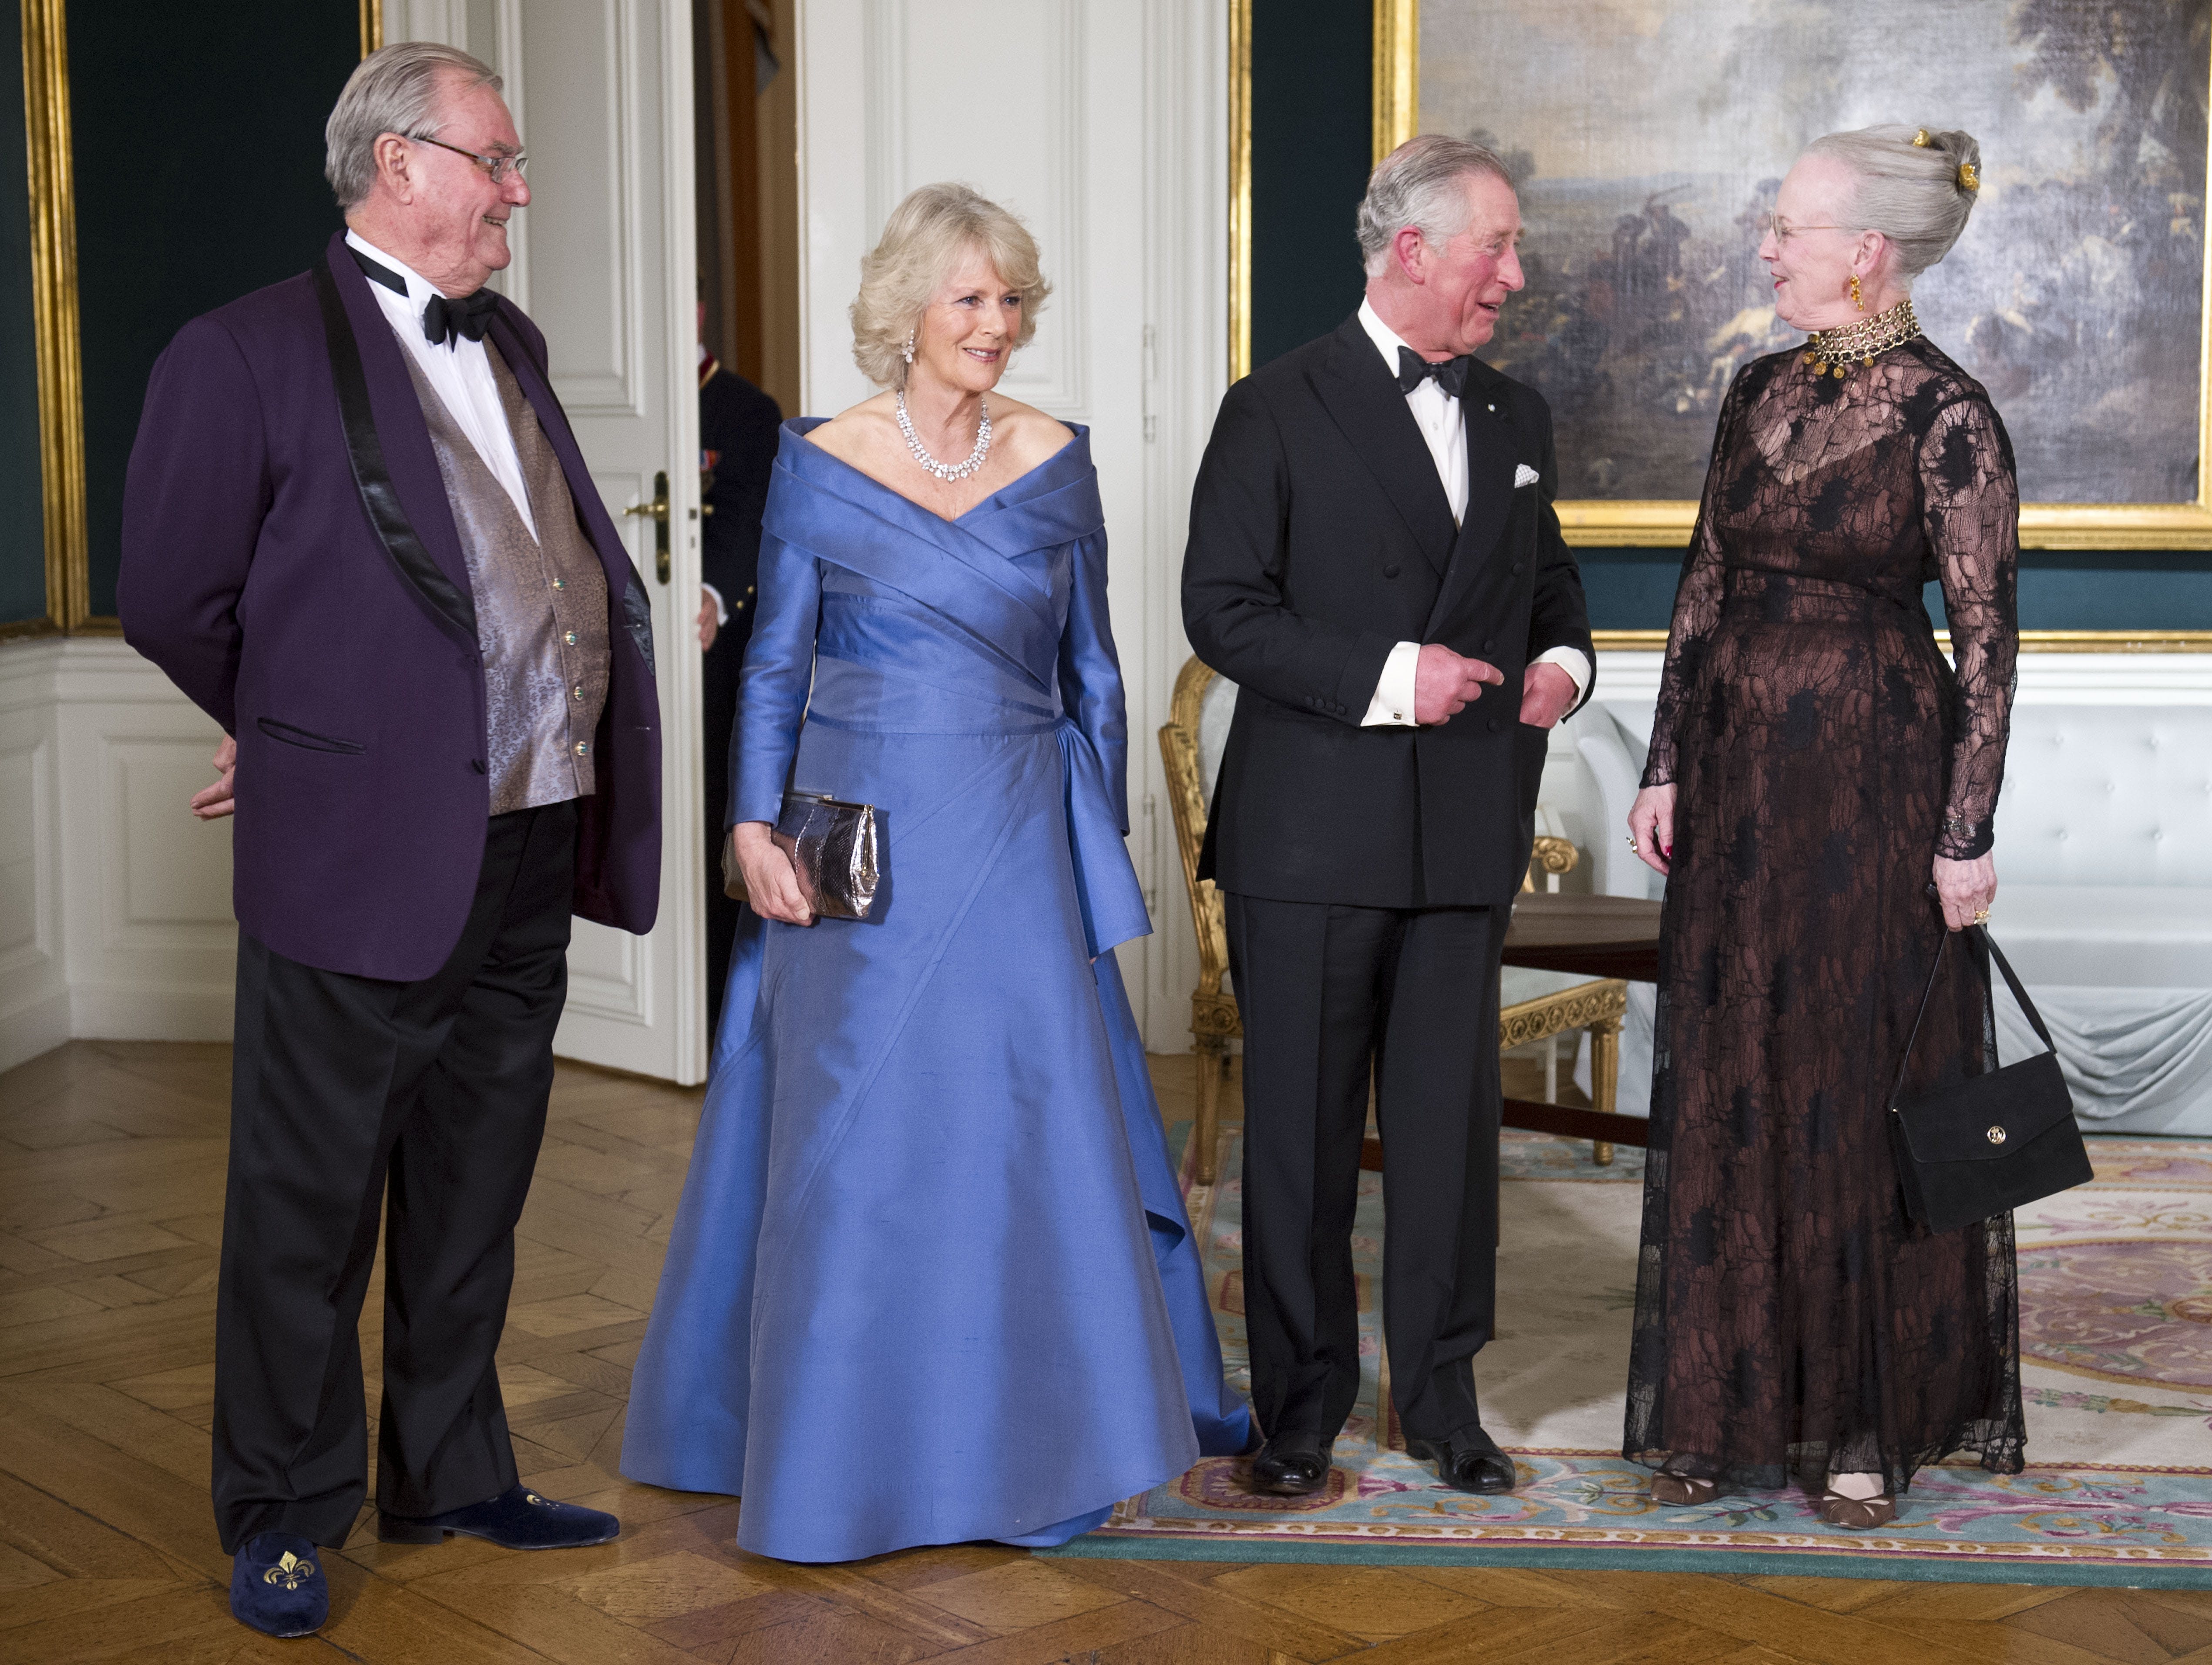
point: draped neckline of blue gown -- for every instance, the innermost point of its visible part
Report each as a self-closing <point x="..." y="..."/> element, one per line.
<point x="1072" y="458"/>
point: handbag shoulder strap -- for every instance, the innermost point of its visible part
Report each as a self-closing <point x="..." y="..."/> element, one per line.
<point x="2026" y="1005"/>
<point x="1897" y="1087"/>
<point x="2019" y="993"/>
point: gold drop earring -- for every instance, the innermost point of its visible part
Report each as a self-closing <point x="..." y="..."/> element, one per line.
<point x="1856" y="301"/>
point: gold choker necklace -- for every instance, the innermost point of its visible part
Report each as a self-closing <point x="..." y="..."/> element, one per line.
<point x="1831" y="349"/>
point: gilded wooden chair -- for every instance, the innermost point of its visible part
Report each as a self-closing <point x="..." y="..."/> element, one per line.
<point x="1534" y="1006"/>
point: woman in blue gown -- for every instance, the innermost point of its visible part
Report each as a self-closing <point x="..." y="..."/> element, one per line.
<point x="931" y="1279"/>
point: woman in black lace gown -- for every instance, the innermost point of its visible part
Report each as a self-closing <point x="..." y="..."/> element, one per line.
<point x="1815" y="764"/>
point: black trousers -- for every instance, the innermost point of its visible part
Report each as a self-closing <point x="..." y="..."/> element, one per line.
<point x="1332" y="997"/>
<point x="424" y="1102"/>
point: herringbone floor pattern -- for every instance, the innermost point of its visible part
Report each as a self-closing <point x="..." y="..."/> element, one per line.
<point x="110" y="1209"/>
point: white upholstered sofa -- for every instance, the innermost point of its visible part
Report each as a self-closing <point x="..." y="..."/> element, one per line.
<point x="2104" y="851"/>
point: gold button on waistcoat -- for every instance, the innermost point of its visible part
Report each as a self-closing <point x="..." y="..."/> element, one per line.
<point x="570" y="638"/>
<point x="583" y="748"/>
<point x="560" y="584"/>
<point x="579" y="691"/>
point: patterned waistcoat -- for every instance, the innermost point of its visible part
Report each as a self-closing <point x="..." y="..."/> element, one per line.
<point x="541" y="605"/>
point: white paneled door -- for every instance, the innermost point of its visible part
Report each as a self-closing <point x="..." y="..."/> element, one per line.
<point x="604" y="262"/>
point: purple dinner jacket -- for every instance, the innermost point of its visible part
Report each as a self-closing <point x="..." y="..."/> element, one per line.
<point x="255" y="576"/>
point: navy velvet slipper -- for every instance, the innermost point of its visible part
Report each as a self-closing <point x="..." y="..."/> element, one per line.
<point x="276" y="1585"/>
<point x="516" y="1519"/>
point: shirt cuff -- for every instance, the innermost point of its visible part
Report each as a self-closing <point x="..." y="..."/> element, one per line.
<point x="1392" y="706"/>
<point x="1573" y="661"/>
<point x="722" y="610"/>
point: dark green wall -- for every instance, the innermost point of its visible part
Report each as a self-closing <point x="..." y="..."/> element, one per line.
<point x="1312" y="136"/>
<point x="22" y="515"/>
<point x="199" y="133"/>
<point x="2059" y="590"/>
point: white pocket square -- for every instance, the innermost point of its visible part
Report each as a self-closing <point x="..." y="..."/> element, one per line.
<point x="1523" y="476"/>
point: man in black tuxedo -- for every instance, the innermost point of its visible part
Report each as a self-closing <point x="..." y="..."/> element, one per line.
<point x="1374" y="561"/>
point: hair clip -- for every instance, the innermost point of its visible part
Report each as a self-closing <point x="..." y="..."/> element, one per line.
<point x="1968" y="180"/>
<point x="1922" y="140"/>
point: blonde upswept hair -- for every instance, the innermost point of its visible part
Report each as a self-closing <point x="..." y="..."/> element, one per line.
<point x="925" y="234"/>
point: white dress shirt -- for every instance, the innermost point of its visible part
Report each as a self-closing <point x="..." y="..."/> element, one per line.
<point x="459" y="374"/>
<point x="1436" y="414"/>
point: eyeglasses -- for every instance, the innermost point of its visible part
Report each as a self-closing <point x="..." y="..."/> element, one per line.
<point x="497" y="167"/>
<point x="1772" y="225"/>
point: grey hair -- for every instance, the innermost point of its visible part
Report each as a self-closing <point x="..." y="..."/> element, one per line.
<point x="396" y="89"/>
<point x="922" y="241"/>
<point x="1419" y="185"/>
<point x="1916" y="195"/>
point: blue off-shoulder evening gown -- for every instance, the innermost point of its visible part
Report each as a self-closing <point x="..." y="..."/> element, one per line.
<point x="932" y="1279"/>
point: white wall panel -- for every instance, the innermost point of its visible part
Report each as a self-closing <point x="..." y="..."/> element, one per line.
<point x="151" y="947"/>
<point x="33" y="981"/>
<point x="115" y="919"/>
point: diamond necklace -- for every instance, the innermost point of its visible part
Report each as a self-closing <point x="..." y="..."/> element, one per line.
<point x="946" y="471"/>
<point x="1831" y="349"/>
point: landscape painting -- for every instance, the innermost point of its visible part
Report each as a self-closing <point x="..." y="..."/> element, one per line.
<point x="1648" y="138"/>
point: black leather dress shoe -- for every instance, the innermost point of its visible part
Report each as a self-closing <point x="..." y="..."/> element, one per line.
<point x="1292" y="1465"/>
<point x="1468" y="1462"/>
<point x="516" y="1519"/>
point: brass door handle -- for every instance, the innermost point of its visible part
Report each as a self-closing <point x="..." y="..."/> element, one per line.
<point x="657" y="511"/>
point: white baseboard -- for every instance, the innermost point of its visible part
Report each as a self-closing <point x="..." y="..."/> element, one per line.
<point x="150" y="1011"/>
<point x="38" y="1026"/>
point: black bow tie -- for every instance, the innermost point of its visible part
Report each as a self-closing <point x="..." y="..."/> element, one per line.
<point x="445" y="322"/>
<point x="1413" y="370"/>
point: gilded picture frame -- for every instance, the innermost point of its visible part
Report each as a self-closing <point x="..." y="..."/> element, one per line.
<point x="55" y="321"/>
<point x="1667" y="522"/>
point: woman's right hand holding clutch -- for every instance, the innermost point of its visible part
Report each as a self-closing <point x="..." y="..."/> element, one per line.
<point x="1651" y="826"/>
<point x="771" y="885"/>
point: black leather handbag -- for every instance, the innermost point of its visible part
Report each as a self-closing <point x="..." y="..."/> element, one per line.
<point x="1992" y="1142"/>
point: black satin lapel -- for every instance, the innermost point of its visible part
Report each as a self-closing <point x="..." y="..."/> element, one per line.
<point x="1494" y="459"/>
<point x="1364" y="402"/>
<point x="449" y="600"/>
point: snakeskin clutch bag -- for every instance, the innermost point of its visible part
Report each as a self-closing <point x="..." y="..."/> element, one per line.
<point x="832" y="847"/>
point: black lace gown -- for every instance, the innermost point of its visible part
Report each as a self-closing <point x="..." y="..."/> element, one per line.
<point x="1790" y="1319"/>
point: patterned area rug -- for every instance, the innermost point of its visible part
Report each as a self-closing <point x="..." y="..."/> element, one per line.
<point x="2116" y="1338"/>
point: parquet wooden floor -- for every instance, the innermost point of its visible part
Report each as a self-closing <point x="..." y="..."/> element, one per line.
<point x="110" y="1206"/>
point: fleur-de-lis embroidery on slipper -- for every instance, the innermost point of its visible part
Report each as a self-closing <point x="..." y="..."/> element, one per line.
<point x="291" y="1572"/>
<point x="532" y="1497"/>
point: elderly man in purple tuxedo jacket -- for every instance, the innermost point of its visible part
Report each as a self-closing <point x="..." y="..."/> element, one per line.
<point x="358" y="534"/>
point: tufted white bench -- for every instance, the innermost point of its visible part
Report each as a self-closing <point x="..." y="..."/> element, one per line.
<point x="2105" y="846"/>
<point x="2103" y="853"/>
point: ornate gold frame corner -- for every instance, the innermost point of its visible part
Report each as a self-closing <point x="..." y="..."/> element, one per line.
<point x="1593" y="523"/>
